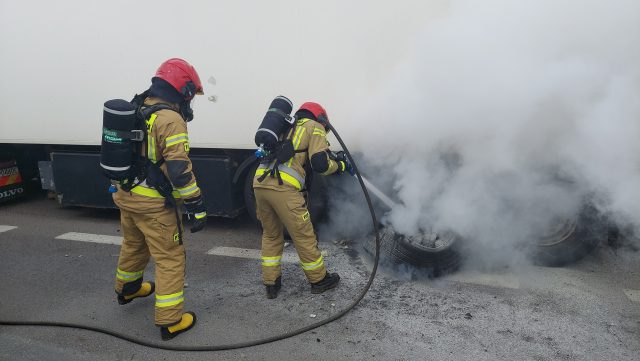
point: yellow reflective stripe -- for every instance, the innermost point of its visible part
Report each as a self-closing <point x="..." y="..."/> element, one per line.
<point x="303" y="120"/>
<point x="200" y="215"/>
<point x="169" y="300"/>
<point x="176" y="139"/>
<point x="296" y="142"/>
<point x="320" y="132"/>
<point x="297" y="138"/>
<point x="151" y="192"/>
<point x="285" y="177"/>
<point x="151" y="142"/>
<point x="128" y="276"/>
<point x="188" y="190"/>
<point x="271" y="261"/>
<point x="291" y="180"/>
<point x="312" y="265"/>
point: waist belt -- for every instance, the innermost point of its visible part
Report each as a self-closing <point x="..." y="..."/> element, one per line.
<point x="286" y="173"/>
<point x="144" y="190"/>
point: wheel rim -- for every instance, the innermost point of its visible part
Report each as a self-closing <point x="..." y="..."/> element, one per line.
<point x="560" y="230"/>
<point x="432" y="241"/>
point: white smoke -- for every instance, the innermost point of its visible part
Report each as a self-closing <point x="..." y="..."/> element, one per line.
<point x="507" y="115"/>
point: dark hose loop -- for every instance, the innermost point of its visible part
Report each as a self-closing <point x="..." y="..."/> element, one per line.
<point x="232" y="346"/>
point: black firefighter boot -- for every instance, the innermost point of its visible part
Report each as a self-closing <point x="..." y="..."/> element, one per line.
<point x="272" y="290"/>
<point x="146" y="288"/>
<point x="329" y="281"/>
<point x="187" y="321"/>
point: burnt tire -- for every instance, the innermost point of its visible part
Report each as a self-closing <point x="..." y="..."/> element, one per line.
<point x="570" y="240"/>
<point x="437" y="257"/>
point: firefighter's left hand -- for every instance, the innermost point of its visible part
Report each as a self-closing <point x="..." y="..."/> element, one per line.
<point x="195" y="206"/>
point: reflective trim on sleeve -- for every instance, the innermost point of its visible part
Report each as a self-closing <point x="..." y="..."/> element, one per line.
<point x="177" y="139"/>
<point x="312" y="265"/>
<point x="169" y="300"/>
<point x="200" y="215"/>
<point x="128" y="276"/>
<point x="271" y="261"/>
<point x="188" y="190"/>
<point x="320" y="132"/>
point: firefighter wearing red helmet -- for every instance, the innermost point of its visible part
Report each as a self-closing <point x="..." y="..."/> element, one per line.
<point x="150" y="220"/>
<point x="280" y="202"/>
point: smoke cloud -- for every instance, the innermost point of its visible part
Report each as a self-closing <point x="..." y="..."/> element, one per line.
<point x="505" y="117"/>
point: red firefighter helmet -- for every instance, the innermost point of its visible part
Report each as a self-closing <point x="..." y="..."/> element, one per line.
<point x="317" y="110"/>
<point x="182" y="76"/>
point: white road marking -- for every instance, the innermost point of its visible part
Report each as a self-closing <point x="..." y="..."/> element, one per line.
<point x="633" y="295"/>
<point x="88" y="237"/>
<point x="288" y="256"/>
<point x="6" y="228"/>
<point x="485" y="279"/>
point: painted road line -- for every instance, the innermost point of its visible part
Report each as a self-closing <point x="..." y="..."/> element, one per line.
<point x="485" y="279"/>
<point x="633" y="295"/>
<point x="288" y="256"/>
<point x="6" y="228"/>
<point x="88" y="237"/>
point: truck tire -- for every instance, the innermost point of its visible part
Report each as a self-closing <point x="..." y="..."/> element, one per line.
<point x="249" y="196"/>
<point x="437" y="254"/>
<point x="570" y="239"/>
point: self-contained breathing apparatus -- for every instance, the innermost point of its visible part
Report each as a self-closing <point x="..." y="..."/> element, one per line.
<point x="271" y="138"/>
<point x="122" y="158"/>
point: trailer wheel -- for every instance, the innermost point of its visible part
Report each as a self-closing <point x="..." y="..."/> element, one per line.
<point x="570" y="240"/>
<point x="249" y="195"/>
<point x="435" y="253"/>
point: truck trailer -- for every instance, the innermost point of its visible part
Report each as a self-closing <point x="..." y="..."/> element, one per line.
<point x="62" y="60"/>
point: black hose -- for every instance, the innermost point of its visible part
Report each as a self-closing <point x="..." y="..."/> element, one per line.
<point x="283" y="336"/>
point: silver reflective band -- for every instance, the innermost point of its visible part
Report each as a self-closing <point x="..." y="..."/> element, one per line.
<point x="179" y="297"/>
<point x="117" y="169"/>
<point x="119" y="112"/>
<point x="269" y="131"/>
<point x="284" y="169"/>
<point x="285" y="99"/>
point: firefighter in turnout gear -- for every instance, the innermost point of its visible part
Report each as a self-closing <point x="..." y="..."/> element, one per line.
<point x="150" y="219"/>
<point x="280" y="201"/>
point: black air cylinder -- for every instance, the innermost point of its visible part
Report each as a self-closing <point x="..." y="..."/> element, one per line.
<point x="276" y="122"/>
<point x="116" y="153"/>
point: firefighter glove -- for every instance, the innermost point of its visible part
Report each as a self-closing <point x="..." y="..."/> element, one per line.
<point x="339" y="156"/>
<point x="195" y="207"/>
<point x="343" y="163"/>
<point x="345" y="166"/>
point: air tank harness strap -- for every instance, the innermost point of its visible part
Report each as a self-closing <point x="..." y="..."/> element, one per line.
<point x="158" y="180"/>
<point x="135" y="135"/>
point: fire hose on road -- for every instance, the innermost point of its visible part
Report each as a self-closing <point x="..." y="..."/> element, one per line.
<point x="363" y="184"/>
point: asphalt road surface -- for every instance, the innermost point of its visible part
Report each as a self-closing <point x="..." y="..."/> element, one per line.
<point x="58" y="264"/>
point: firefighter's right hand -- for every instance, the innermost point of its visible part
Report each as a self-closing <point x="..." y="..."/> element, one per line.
<point x="345" y="166"/>
<point x="195" y="206"/>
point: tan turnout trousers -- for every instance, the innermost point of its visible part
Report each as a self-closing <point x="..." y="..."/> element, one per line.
<point x="153" y="235"/>
<point x="287" y="207"/>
